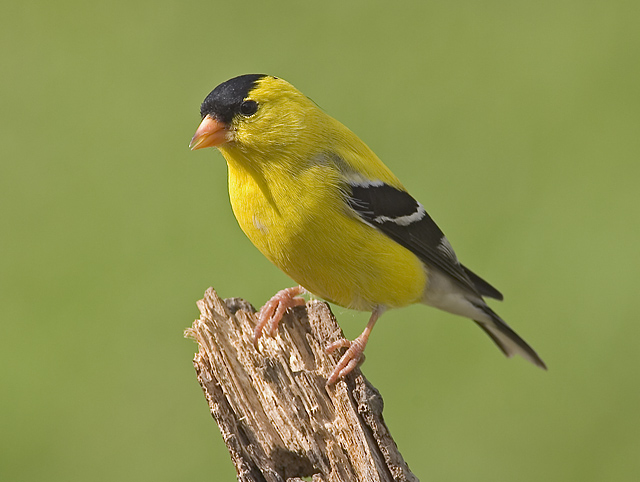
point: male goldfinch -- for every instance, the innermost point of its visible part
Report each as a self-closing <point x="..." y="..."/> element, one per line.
<point x="320" y="205"/>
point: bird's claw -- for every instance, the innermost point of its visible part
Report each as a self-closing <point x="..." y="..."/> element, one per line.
<point x="273" y="310"/>
<point x="352" y="358"/>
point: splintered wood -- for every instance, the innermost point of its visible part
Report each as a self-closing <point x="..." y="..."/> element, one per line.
<point x="278" y="418"/>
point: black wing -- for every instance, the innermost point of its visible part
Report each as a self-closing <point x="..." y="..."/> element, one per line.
<point x="483" y="287"/>
<point x="398" y="215"/>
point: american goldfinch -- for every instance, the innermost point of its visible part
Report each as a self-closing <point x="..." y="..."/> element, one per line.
<point x="321" y="206"/>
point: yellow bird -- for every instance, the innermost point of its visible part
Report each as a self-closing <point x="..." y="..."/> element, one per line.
<point x="321" y="206"/>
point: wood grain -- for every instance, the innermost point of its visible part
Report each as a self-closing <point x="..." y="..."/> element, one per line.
<point x="277" y="417"/>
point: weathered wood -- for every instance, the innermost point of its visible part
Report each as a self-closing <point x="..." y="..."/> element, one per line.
<point x="279" y="420"/>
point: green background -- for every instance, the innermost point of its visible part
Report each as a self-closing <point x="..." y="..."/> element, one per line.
<point x="517" y="124"/>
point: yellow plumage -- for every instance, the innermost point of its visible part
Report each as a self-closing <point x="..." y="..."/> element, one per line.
<point x="294" y="211"/>
<point x="319" y="204"/>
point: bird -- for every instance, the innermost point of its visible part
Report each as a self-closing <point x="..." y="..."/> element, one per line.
<point x="322" y="207"/>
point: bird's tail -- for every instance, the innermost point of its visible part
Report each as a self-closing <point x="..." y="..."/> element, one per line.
<point x="507" y="340"/>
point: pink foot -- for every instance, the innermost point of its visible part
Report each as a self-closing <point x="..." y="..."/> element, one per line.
<point x="274" y="309"/>
<point x="354" y="355"/>
<point x="352" y="358"/>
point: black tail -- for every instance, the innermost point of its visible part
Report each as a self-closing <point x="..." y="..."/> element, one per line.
<point x="507" y="340"/>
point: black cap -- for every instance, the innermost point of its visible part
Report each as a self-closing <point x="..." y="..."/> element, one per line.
<point x="223" y="103"/>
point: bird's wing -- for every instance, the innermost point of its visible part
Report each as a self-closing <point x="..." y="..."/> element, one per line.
<point x="483" y="287"/>
<point x="398" y="215"/>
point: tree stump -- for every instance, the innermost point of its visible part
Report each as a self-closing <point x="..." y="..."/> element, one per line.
<point x="278" y="418"/>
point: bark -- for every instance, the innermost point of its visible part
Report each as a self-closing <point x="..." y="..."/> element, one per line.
<point x="278" y="418"/>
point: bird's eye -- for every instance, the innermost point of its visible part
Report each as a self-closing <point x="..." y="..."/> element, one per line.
<point x="248" y="107"/>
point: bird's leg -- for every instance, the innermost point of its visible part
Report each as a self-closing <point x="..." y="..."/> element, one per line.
<point x="274" y="309"/>
<point x="354" y="355"/>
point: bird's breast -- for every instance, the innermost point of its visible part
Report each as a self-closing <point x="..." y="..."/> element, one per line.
<point x="303" y="226"/>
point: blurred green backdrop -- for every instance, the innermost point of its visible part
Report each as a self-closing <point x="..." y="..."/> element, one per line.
<point x="518" y="126"/>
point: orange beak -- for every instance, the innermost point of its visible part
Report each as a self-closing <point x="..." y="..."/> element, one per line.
<point x="210" y="133"/>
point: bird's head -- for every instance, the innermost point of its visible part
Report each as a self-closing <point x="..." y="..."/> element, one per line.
<point x="256" y="114"/>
